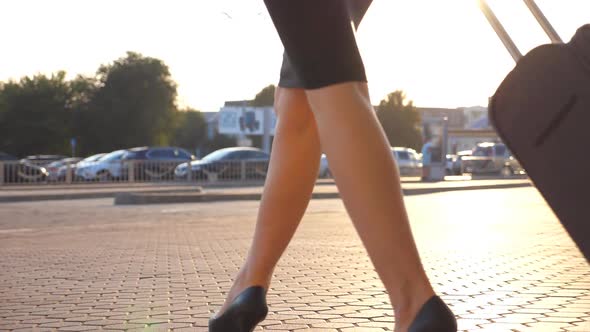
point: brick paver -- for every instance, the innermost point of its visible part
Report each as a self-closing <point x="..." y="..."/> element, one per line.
<point x="499" y="258"/>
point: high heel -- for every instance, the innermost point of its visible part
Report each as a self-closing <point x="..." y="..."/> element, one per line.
<point x="434" y="316"/>
<point x="244" y="313"/>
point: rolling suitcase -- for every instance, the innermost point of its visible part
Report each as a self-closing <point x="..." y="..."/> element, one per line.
<point x="542" y="112"/>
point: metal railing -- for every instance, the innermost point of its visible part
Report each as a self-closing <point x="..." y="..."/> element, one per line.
<point x="227" y="172"/>
<point x="133" y="171"/>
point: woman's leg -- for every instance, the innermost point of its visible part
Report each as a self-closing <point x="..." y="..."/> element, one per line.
<point x="366" y="175"/>
<point x="292" y="173"/>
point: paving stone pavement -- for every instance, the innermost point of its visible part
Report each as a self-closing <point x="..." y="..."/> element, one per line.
<point x="499" y="258"/>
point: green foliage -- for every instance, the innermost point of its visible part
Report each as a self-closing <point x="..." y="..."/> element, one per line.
<point x="190" y="130"/>
<point x="266" y="97"/>
<point x="36" y="115"/>
<point x="130" y="102"/>
<point x="135" y="103"/>
<point x="219" y="141"/>
<point x="400" y="120"/>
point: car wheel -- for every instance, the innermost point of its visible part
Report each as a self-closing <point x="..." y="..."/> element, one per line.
<point x="104" y="176"/>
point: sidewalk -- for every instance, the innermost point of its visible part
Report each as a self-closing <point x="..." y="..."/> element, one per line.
<point x="499" y="258"/>
<point x="147" y="193"/>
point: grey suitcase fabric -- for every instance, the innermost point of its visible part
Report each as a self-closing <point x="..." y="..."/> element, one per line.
<point x="542" y="112"/>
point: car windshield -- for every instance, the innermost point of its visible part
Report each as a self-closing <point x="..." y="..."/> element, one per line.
<point x="403" y="155"/>
<point x="94" y="157"/>
<point x="58" y="163"/>
<point x="216" y="155"/>
<point x="483" y="151"/>
<point x="116" y="155"/>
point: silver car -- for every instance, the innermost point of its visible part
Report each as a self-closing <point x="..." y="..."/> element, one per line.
<point x="106" y="168"/>
<point x="492" y="158"/>
<point x="408" y="161"/>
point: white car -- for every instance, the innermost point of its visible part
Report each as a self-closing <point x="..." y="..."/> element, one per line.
<point x="106" y="168"/>
<point x="408" y="161"/>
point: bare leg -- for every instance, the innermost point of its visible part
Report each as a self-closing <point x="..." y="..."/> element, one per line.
<point x="366" y="175"/>
<point x="292" y="173"/>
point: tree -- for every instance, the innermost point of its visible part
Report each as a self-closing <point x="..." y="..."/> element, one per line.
<point x="266" y="97"/>
<point x="219" y="141"/>
<point x="400" y="120"/>
<point x="36" y="115"/>
<point x="133" y="106"/>
<point x="190" y="129"/>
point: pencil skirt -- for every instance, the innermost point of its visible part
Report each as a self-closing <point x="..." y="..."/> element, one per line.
<point x="319" y="41"/>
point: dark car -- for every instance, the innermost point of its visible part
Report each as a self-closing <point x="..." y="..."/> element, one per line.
<point x="20" y="171"/>
<point x="42" y="159"/>
<point x="453" y="165"/>
<point x="237" y="163"/>
<point x="154" y="163"/>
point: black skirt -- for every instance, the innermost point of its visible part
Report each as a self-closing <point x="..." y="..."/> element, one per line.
<point x="319" y="41"/>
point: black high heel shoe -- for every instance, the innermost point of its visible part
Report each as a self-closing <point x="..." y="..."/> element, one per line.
<point x="434" y="316"/>
<point x="244" y="313"/>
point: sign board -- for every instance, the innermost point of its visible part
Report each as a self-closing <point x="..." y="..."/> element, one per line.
<point x="434" y="150"/>
<point x="235" y="120"/>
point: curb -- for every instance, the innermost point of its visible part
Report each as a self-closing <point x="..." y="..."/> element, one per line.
<point x="176" y="197"/>
<point x="70" y="196"/>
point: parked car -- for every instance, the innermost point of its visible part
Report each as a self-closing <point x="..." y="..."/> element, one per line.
<point x="59" y="167"/>
<point x="42" y="159"/>
<point x="89" y="160"/>
<point x="20" y="171"/>
<point x="324" y="169"/>
<point x="492" y="158"/>
<point x="106" y="168"/>
<point x="227" y="164"/>
<point x="453" y="166"/>
<point x="155" y="163"/>
<point x="408" y="161"/>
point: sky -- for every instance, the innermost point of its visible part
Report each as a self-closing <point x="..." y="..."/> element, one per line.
<point x="441" y="53"/>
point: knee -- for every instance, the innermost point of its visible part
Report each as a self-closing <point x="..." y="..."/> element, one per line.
<point x="292" y="109"/>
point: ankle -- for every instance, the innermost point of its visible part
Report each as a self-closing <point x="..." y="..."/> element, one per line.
<point x="248" y="276"/>
<point x="408" y="302"/>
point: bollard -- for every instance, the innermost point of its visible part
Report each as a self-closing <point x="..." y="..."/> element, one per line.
<point x="243" y="170"/>
<point x="1" y="173"/>
<point x="68" y="173"/>
<point x="189" y="172"/>
<point x="131" y="171"/>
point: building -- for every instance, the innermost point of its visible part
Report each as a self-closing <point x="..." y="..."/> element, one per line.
<point x="455" y="116"/>
<point x="476" y="117"/>
<point x="211" y="118"/>
<point x="467" y="126"/>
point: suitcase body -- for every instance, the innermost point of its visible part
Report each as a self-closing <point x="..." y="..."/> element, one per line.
<point x="542" y="112"/>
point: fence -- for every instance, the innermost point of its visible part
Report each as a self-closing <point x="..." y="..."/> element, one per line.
<point x="239" y="171"/>
<point x="133" y="171"/>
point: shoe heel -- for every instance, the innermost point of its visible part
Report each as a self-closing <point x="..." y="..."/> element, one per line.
<point x="246" y="311"/>
<point x="434" y="316"/>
